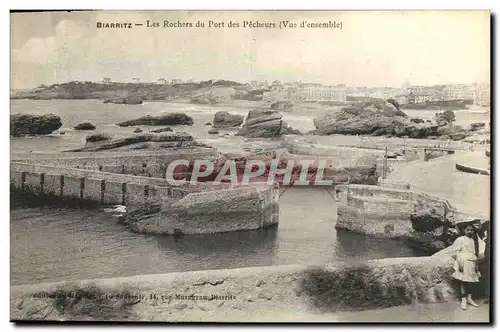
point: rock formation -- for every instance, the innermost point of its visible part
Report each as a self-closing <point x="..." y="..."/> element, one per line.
<point x="224" y="119"/>
<point x="379" y="118"/>
<point x="84" y="126"/>
<point x="477" y="126"/>
<point x="450" y="131"/>
<point x="432" y="231"/>
<point x="125" y="101"/>
<point x="169" y="119"/>
<point x="137" y="130"/>
<point x="29" y="124"/>
<point x="264" y="123"/>
<point x="445" y="117"/>
<point x="98" y="137"/>
<point x="371" y="117"/>
<point x="150" y="141"/>
<point x="287" y="130"/>
<point x="213" y="131"/>
<point x="162" y="130"/>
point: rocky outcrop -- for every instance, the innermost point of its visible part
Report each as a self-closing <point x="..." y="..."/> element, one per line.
<point x="223" y="119"/>
<point x="378" y="118"/>
<point x="255" y="294"/>
<point x="371" y="117"/>
<point x="453" y="132"/>
<point x="142" y="141"/>
<point x="264" y="123"/>
<point x="137" y="130"/>
<point x="261" y="123"/>
<point x="162" y="130"/>
<point x="169" y="119"/>
<point x="29" y="124"/>
<point x="420" y="130"/>
<point x="125" y="101"/>
<point x="98" y="137"/>
<point x="287" y="130"/>
<point x="431" y="229"/>
<point x="84" y="126"/>
<point x="445" y="117"/>
<point x="213" y="131"/>
<point x="477" y="126"/>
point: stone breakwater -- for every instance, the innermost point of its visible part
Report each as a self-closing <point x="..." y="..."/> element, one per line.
<point x="155" y="206"/>
<point x="240" y="295"/>
<point x="390" y="211"/>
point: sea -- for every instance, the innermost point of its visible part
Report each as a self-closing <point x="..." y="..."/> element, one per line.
<point x="54" y="243"/>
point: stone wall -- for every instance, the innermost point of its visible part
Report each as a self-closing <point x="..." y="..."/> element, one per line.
<point x="250" y="293"/>
<point x="144" y="164"/>
<point x="190" y="209"/>
<point x="91" y="185"/>
<point x="380" y="211"/>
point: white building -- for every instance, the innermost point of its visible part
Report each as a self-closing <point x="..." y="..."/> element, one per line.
<point x="316" y="92"/>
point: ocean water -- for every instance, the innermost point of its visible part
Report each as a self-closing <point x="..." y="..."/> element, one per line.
<point x="106" y="116"/>
<point x="51" y="243"/>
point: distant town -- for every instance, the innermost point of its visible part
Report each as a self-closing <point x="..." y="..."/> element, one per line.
<point x="215" y="91"/>
<point x="314" y="92"/>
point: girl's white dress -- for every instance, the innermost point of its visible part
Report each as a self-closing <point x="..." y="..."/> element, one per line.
<point x="466" y="257"/>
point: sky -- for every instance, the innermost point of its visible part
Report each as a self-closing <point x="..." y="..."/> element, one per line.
<point x="371" y="49"/>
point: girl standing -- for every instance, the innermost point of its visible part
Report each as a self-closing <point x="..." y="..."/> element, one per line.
<point x="466" y="264"/>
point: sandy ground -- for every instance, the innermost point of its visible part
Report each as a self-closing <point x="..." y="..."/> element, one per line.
<point x="467" y="192"/>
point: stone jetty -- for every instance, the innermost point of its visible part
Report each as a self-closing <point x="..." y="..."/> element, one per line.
<point x="137" y="180"/>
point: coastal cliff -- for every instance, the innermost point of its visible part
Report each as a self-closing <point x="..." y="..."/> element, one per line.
<point x="123" y="93"/>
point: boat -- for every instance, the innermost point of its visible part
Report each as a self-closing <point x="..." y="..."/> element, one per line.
<point x="470" y="169"/>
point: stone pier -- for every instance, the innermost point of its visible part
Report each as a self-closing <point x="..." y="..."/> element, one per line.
<point x="138" y="182"/>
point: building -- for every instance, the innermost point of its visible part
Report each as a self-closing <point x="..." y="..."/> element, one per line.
<point x="161" y="81"/>
<point x="435" y="95"/>
<point x="263" y="85"/>
<point x="482" y="95"/>
<point x="316" y="92"/>
<point x="458" y="91"/>
<point x="135" y="80"/>
<point x="359" y="92"/>
<point x="382" y="93"/>
<point x="425" y="95"/>
<point x="176" y="81"/>
<point x="402" y="99"/>
<point x="106" y="80"/>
